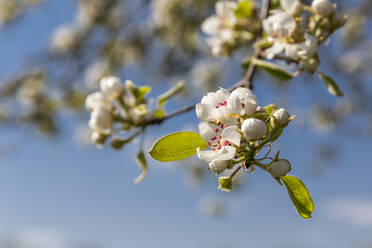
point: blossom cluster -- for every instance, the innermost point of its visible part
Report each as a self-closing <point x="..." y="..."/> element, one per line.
<point x="236" y="128"/>
<point x="115" y="102"/>
<point x="297" y="30"/>
<point x="231" y="26"/>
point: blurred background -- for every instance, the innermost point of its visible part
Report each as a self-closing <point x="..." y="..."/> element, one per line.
<point x="57" y="190"/>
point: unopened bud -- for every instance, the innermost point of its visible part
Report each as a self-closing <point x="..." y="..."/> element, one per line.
<point x="280" y="168"/>
<point x="112" y="87"/>
<point x="281" y="117"/>
<point x="253" y="128"/>
<point x="225" y="184"/>
<point x="322" y="7"/>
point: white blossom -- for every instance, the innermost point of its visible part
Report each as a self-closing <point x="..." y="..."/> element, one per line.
<point x="309" y="47"/>
<point x="280" y="168"/>
<point x="242" y="101"/>
<point x="218" y="166"/>
<point x="101" y="120"/>
<point x="253" y="128"/>
<point x="220" y="27"/>
<point x="280" y="25"/>
<point x="292" y="7"/>
<point x="322" y="7"/>
<point x="214" y="106"/>
<point x="221" y="139"/>
<point x="97" y="138"/>
<point x="282" y="116"/>
<point x="96" y="100"/>
<point x="112" y="87"/>
<point x="64" y="39"/>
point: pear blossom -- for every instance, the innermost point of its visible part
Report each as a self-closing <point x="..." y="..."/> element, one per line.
<point x="214" y="106"/>
<point x="322" y="7"/>
<point x="280" y="168"/>
<point x="220" y="27"/>
<point x="64" y="39"/>
<point x="112" y="87"/>
<point x="282" y="117"/>
<point x="96" y="100"/>
<point x="101" y="120"/>
<point x="218" y="166"/>
<point x="292" y="7"/>
<point x="253" y="128"/>
<point x="221" y="139"/>
<point x="309" y="47"/>
<point x="280" y="25"/>
<point x="242" y="101"/>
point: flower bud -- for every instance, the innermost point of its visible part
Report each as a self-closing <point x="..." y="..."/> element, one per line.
<point x="112" y="87"/>
<point x="218" y="166"/>
<point x="282" y="117"/>
<point x="96" y="100"/>
<point x="225" y="184"/>
<point x="280" y="168"/>
<point x="292" y="7"/>
<point x="322" y="7"/>
<point x="101" y="120"/>
<point x="242" y="101"/>
<point x="98" y="138"/>
<point x="253" y="128"/>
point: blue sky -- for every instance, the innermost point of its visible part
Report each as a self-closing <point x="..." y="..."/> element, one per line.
<point x="82" y="194"/>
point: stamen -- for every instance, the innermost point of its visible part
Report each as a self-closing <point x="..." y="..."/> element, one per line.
<point x="216" y="130"/>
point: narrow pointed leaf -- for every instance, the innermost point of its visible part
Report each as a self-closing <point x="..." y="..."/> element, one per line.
<point x="331" y="85"/>
<point x="299" y="195"/>
<point x="142" y="163"/>
<point x="177" y="146"/>
<point x="273" y="69"/>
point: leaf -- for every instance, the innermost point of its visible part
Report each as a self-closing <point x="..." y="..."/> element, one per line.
<point x="139" y="93"/>
<point x="159" y="113"/>
<point x="299" y="195"/>
<point x="142" y="163"/>
<point x="163" y="98"/>
<point x="177" y="146"/>
<point x="331" y="85"/>
<point x="273" y="69"/>
<point x="270" y="109"/>
<point x="244" y="9"/>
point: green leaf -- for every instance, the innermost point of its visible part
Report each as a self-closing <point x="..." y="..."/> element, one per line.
<point x="244" y="9"/>
<point x="138" y="92"/>
<point x="177" y="146"/>
<point x="159" y="113"/>
<point x="273" y="69"/>
<point x="163" y="98"/>
<point x="270" y="109"/>
<point x="331" y="85"/>
<point x="299" y="195"/>
<point x="142" y="163"/>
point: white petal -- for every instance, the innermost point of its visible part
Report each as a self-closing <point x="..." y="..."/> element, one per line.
<point x="277" y="48"/>
<point x="226" y="153"/>
<point x="232" y="135"/>
<point x="206" y="112"/>
<point x="211" y="25"/>
<point x="207" y="156"/>
<point x="207" y="131"/>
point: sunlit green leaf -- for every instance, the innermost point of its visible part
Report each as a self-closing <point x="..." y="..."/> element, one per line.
<point x="270" y="109"/>
<point x="142" y="163"/>
<point x="244" y="9"/>
<point x="331" y="85"/>
<point x="177" y="146"/>
<point x="273" y="69"/>
<point x="299" y="195"/>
